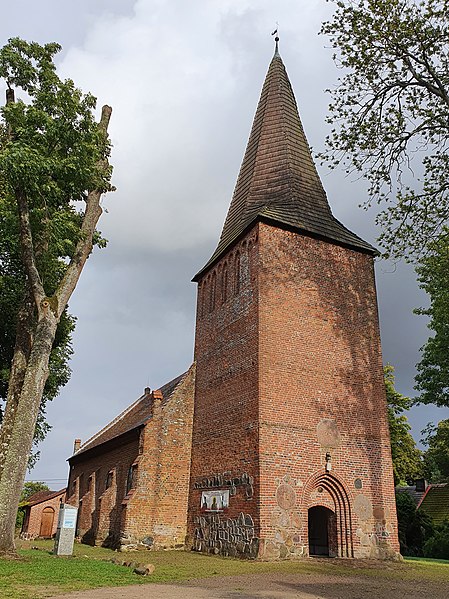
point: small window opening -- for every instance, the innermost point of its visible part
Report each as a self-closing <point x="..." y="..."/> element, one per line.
<point x="109" y="479"/>
<point x="131" y="478"/>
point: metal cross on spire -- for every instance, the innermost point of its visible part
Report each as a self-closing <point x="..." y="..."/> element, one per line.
<point x="276" y="39"/>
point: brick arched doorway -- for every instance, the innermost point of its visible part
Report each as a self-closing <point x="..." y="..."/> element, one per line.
<point x="47" y="518"/>
<point x="322" y="526"/>
<point x="326" y="491"/>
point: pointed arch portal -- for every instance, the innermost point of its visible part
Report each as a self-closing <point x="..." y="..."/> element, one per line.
<point x="330" y="532"/>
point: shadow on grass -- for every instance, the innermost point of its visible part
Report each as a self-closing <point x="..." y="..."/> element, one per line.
<point x="39" y="573"/>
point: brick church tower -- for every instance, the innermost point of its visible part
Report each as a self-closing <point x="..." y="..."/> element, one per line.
<point x="291" y="449"/>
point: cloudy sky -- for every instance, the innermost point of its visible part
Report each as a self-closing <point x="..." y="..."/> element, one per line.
<point x="183" y="79"/>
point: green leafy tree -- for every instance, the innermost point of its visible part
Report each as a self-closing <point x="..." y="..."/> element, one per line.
<point x="29" y="489"/>
<point x="53" y="170"/>
<point x="390" y="112"/>
<point x="437" y="546"/>
<point x="415" y="527"/>
<point x="432" y="379"/>
<point x="436" y="457"/>
<point x="407" y="461"/>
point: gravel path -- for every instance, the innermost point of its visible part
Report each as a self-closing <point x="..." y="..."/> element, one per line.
<point x="276" y="586"/>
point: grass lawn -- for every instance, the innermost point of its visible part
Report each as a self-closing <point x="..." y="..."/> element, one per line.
<point x="39" y="574"/>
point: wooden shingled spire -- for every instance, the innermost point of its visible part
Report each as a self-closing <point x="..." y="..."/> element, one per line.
<point x="278" y="181"/>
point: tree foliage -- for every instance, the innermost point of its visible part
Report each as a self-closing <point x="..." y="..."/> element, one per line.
<point x="437" y="546"/>
<point x="407" y="460"/>
<point x="432" y="379"/>
<point x="53" y="170"/>
<point x="436" y="457"/>
<point x="30" y="488"/>
<point x="390" y="112"/>
<point x="415" y="527"/>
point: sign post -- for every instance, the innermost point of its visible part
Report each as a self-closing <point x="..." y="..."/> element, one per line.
<point x="65" y="534"/>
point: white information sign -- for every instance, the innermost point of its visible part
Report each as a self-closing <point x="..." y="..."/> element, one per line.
<point x="65" y="535"/>
<point x="69" y="518"/>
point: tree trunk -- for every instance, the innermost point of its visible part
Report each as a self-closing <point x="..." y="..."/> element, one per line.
<point x="22" y="348"/>
<point x="22" y="415"/>
<point x="21" y="437"/>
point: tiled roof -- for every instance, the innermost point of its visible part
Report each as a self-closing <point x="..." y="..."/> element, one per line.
<point x="41" y="496"/>
<point x="134" y="416"/>
<point x="411" y="490"/>
<point x="436" y="502"/>
<point x="278" y="180"/>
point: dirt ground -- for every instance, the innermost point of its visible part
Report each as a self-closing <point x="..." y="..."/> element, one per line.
<point x="278" y="586"/>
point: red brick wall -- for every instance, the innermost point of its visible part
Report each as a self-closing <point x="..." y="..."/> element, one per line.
<point x="157" y="509"/>
<point x="322" y="392"/>
<point x="225" y="429"/>
<point x="100" y="508"/>
<point x="33" y="517"/>
<point x="289" y="369"/>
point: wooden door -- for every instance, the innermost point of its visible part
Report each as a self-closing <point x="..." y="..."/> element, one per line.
<point x="47" y="523"/>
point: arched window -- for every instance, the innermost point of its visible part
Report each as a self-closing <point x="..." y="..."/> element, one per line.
<point x="224" y="284"/>
<point x="237" y="274"/>
<point x="213" y="285"/>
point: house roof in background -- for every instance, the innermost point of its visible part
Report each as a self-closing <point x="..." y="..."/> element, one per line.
<point x="436" y="502"/>
<point x="411" y="490"/>
<point x="41" y="496"/>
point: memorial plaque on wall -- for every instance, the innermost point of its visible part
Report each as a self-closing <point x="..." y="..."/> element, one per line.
<point x="215" y="501"/>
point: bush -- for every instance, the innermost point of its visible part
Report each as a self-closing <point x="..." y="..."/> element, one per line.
<point x="437" y="545"/>
<point x="414" y="527"/>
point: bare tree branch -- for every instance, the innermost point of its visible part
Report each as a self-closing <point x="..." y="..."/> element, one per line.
<point x="84" y="246"/>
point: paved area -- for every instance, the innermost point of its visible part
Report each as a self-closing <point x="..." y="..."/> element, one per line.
<point x="276" y="586"/>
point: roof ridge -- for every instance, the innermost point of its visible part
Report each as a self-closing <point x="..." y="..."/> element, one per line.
<point x="111" y="423"/>
<point x="132" y="417"/>
<point x="423" y="496"/>
<point x="289" y="149"/>
<point x="45" y="495"/>
<point x="178" y="379"/>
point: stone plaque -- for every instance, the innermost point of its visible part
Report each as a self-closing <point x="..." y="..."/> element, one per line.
<point x="363" y="507"/>
<point x="286" y="496"/>
<point x="327" y="433"/>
